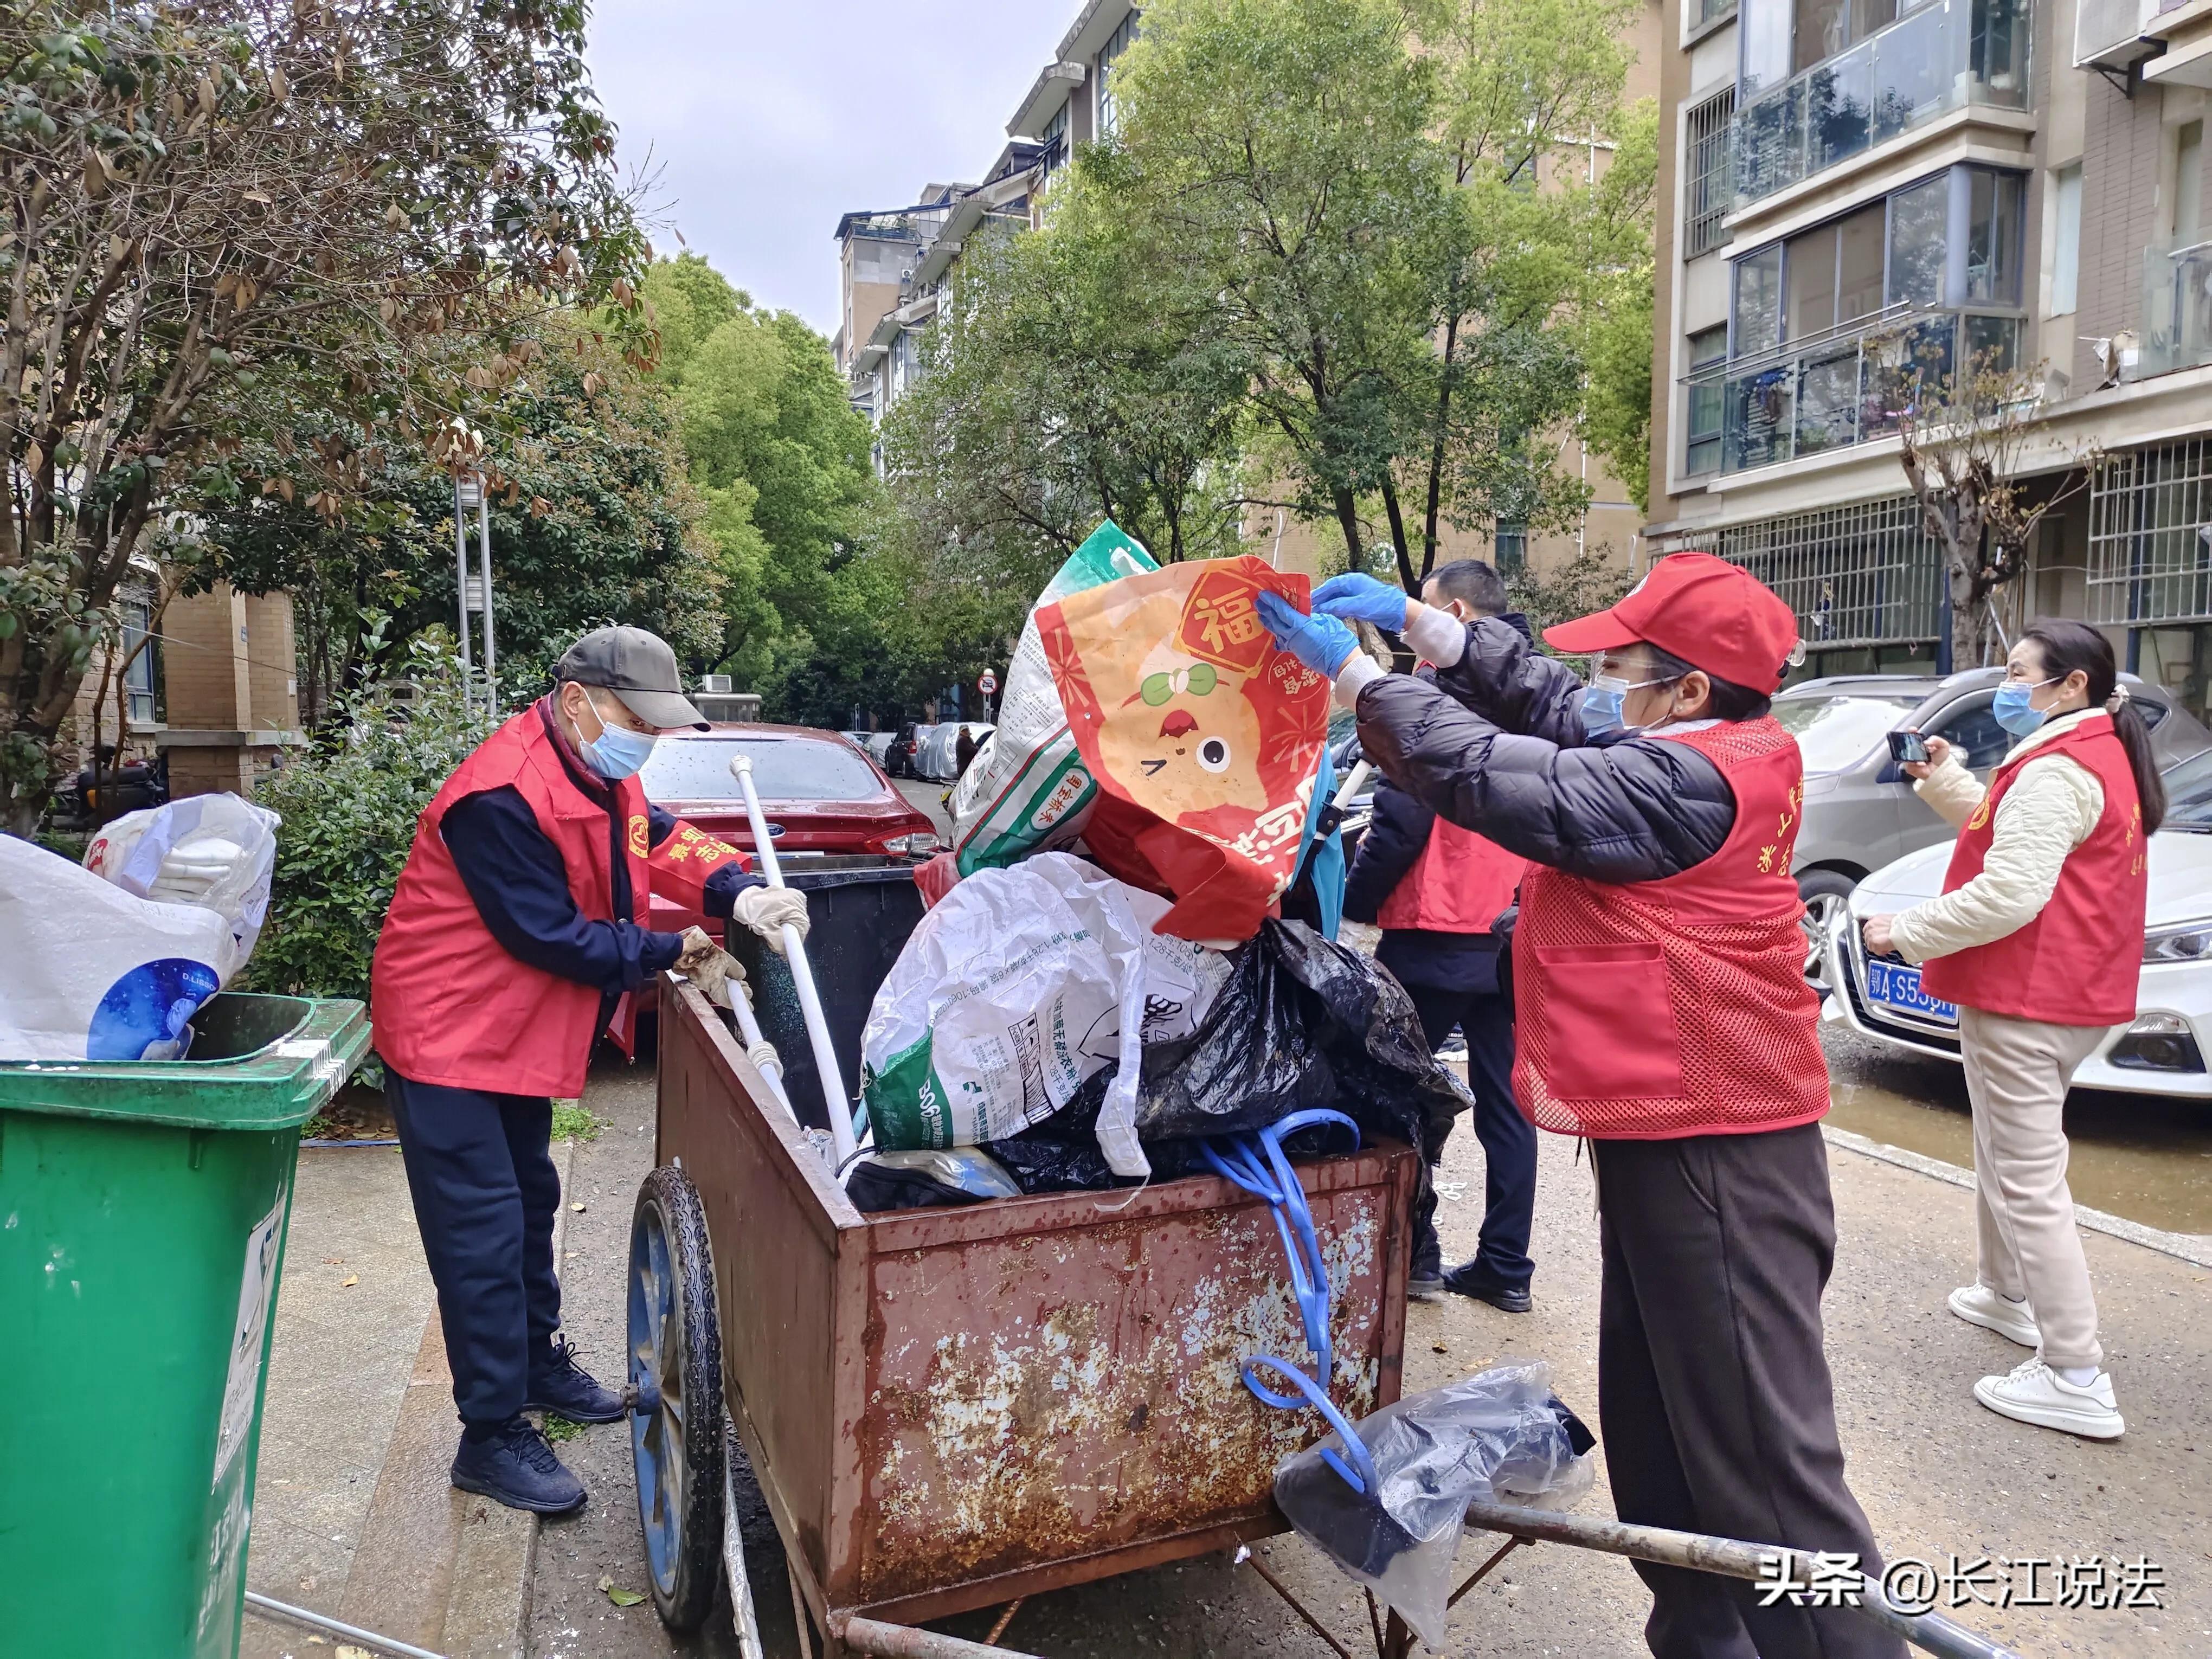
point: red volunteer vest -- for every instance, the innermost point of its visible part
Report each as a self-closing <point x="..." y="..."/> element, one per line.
<point x="1458" y="885"/>
<point x="1658" y="1009"/>
<point x="2078" y="962"/>
<point x="449" y="1005"/>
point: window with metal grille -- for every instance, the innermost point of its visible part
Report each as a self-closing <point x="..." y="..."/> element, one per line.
<point x="1710" y="189"/>
<point x="1701" y="450"/>
<point x="2150" y="535"/>
<point x="1857" y="575"/>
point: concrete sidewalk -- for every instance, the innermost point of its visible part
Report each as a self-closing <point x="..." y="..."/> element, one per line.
<point x="354" y="1516"/>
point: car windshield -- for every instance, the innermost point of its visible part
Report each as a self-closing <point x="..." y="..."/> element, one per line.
<point x="784" y="768"/>
<point x="1835" y="732"/>
<point x="2189" y="795"/>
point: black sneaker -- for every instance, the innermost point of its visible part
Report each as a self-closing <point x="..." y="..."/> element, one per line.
<point x="1469" y="1279"/>
<point x="558" y="1385"/>
<point x="517" y="1467"/>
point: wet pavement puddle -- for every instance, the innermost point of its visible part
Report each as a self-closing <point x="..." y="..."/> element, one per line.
<point x="2147" y="1158"/>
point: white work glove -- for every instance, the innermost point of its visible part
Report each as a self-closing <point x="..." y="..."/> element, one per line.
<point x="718" y="975"/>
<point x="769" y="911"/>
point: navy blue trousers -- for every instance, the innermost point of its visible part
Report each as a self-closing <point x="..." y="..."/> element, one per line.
<point x="480" y="1168"/>
<point x="1508" y="1140"/>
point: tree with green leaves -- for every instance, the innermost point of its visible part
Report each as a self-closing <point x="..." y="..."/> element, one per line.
<point x="1283" y="154"/>
<point x="593" y="520"/>
<point x="225" y="215"/>
<point x="776" y="448"/>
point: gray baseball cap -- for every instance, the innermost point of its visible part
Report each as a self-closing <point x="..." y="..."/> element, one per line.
<point x="638" y="667"/>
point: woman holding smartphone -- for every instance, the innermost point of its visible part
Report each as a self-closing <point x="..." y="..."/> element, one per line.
<point x="2037" y="937"/>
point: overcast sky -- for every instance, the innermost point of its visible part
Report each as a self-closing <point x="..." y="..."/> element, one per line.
<point x="768" y="118"/>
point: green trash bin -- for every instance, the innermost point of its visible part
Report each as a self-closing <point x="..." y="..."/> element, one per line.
<point x="142" y="1212"/>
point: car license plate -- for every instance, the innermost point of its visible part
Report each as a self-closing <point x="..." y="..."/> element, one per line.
<point x="1893" y="985"/>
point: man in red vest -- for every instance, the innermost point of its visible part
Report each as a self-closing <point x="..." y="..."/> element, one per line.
<point x="515" y="940"/>
<point x="1662" y="1014"/>
<point x="1439" y="893"/>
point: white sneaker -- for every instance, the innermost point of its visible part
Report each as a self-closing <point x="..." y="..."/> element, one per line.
<point x="1977" y="1304"/>
<point x="2034" y="1393"/>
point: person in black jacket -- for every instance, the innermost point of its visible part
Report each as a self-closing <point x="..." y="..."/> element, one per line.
<point x="1440" y="894"/>
<point x="1661" y="1013"/>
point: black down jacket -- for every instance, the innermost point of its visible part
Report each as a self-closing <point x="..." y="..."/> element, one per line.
<point x="1496" y="744"/>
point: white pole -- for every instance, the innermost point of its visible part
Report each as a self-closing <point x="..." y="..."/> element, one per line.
<point x="760" y="1050"/>
<point x="484" y="548"/>
<point x="461" y="588"/>
<point x="802" y="976"/>
<point x="1354" y="782"/>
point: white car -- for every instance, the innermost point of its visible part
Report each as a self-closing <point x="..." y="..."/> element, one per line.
<point x="2162" y="1052"/>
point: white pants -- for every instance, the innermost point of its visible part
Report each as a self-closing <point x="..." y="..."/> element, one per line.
<point x="2027" y="1244"/>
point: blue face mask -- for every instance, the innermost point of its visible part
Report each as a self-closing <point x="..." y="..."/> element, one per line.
<point x="617" y="752"/>
<point x="2014" y="712"/>
<point x="1603" y="701"/>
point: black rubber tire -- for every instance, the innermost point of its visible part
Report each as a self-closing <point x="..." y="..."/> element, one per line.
<point x="675" y="1348"/>
<point x="1822" y="890"/>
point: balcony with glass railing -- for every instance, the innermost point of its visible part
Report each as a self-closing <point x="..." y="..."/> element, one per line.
<point x="1940" y="58"/>
<point x="1849" y="386"/>
<point x="2177" y="308"/>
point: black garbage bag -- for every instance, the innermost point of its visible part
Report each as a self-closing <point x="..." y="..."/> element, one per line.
<point x="928" y="1180"/>
<point x="1300" y="1023"/>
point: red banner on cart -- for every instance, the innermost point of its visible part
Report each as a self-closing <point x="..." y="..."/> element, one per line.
<point x="1203" y="736"/>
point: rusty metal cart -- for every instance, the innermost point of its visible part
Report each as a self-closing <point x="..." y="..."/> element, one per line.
<point x="948" y="1409"/>
<point x="953" y="1408"/>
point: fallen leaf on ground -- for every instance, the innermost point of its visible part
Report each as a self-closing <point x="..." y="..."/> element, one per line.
<point x="351" y="1280"/>
<point x="617" y="1595"/>
<point x="578" y="1209"/>
<point x="355" y="1653"/>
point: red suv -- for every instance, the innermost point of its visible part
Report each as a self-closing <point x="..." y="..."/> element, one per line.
<point x="820" y="792"/>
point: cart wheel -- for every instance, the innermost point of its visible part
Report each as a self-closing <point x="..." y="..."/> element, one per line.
<point x="676" y="1426"/>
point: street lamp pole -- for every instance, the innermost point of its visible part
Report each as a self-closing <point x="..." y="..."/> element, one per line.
<point x="468" y="491"/>
<point x="483" y="552"/>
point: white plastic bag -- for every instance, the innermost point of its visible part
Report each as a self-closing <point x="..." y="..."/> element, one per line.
<point x="1028" y="789"/>
<point x="1016" y="987"/>
<point x="1501" y="1437"/>
<point x="215" y="851"/>
<point x="89" y="971"/>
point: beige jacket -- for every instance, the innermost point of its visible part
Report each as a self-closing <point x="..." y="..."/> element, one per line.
<point x="2051" y="809"/>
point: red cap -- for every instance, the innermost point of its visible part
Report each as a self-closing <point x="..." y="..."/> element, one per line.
<point x="1713" y="615"/>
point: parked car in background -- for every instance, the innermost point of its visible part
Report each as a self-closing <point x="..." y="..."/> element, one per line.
<point x="937" y="757"/>
<point x="878" y="746"/>
<point x="2161" y="1052"/>
<point x="898" y="760"/>
<point x="1860" y="812"/>
<point x="821" y="794"/>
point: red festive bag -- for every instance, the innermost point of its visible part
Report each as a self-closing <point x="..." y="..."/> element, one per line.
<point x="1203" y="736"/>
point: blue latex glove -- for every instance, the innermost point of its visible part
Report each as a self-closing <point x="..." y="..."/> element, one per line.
<point x="1321" y="643"/>
<point x="1362" y="599"/>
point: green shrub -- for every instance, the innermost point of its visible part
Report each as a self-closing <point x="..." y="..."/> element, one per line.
<point x="349" y="808"/>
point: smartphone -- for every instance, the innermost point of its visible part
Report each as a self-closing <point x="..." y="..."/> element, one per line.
<point x="1908" y="746"/>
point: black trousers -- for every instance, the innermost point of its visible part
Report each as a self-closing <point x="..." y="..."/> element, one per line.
<point x="1713" y="1393"/>
<point x="480" y="1170"/>
<point x="1508" y="1140"/>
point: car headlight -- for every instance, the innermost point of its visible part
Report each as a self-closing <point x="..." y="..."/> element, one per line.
<point x="2182" y="941"/>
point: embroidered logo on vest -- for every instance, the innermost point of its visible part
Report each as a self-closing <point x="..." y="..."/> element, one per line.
<point x="637" y="836"/>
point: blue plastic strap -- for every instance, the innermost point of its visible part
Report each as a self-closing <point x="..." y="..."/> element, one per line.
<point x="1361" y="1477"/>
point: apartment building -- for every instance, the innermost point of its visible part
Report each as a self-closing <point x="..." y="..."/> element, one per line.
<point x="895" y="266"/>
<point x="1848" y="186"/>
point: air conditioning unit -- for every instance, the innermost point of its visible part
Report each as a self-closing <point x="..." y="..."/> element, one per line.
<point x="2108" y="33"/>
<point x="714" y="682"/>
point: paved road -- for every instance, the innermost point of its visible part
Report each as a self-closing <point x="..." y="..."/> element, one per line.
<point x="1938" y="1475"/>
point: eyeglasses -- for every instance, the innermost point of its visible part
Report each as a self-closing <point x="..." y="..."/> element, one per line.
<point x="1199" y="679"/>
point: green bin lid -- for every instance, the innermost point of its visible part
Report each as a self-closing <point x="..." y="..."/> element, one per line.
<point x="258" y="1063"/>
